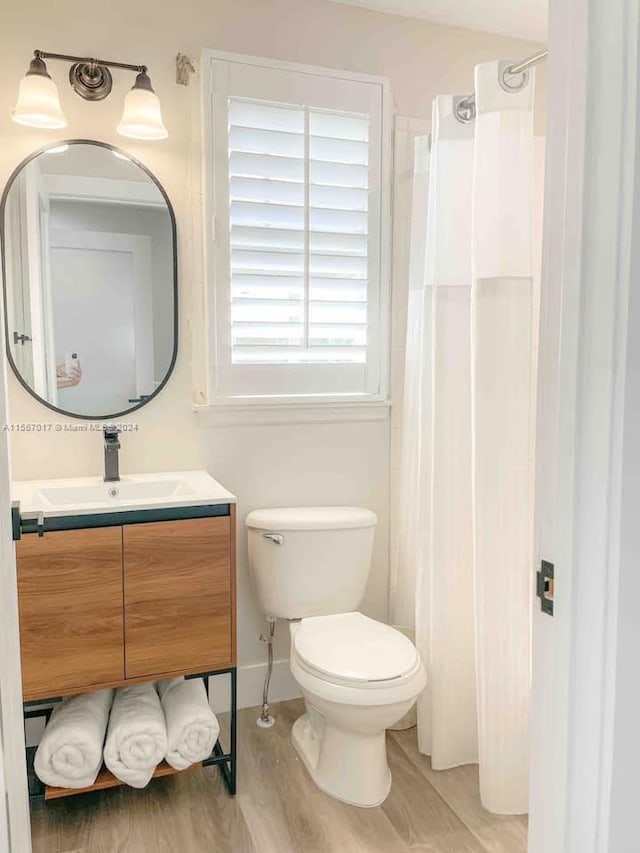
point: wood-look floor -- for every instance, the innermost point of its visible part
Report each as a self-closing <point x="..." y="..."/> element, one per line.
<point x="278" y="809"/>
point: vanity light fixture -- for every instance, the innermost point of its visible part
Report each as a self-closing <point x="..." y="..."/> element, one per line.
<point x="38" y="102"/>
<point x="141" y="117"/>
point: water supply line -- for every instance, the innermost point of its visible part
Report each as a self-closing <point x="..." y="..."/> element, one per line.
<point x="266" y="720"/>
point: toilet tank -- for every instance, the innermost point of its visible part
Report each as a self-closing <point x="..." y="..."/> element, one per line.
<point x="310" y="561"/>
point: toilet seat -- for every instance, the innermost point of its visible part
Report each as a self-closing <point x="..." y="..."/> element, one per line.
<point x="352" y="650"/>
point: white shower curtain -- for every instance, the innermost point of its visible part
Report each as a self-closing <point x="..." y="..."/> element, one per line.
<point x="466" y="463"/>
<point x="444" y="586"/>
<point x="415" y="460"/>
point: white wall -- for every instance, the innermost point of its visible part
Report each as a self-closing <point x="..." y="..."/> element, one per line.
<point x="344" y="463"/>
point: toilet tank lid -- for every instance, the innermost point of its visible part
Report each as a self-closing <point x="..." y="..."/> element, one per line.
<point x="311" y="518"/>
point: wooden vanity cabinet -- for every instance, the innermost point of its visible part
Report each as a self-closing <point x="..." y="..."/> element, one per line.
<point x="107" y="606"/>
<point x="71" y="612"/>
<point x="177" y="596"/>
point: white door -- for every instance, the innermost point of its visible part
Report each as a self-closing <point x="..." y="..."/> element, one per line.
<point x="4" y="816"/>
<point x="102" y="308"/>
<point x="14" y="803"/>
<point x="591" y="165"/>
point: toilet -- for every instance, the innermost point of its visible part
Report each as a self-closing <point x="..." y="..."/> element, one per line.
<point x="358" y="676"/>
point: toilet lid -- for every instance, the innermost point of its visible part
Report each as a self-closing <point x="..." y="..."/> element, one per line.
<point x="351" y="647"/>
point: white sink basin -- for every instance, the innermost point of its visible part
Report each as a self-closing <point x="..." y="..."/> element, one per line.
<point x="136" y="491"/>
<point x="112" y="492"/>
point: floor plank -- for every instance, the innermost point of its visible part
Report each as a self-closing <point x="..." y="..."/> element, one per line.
<point x="191" y="813"/>
<point x="285" y="811"/>
<point x="278" y="808"/>
<point x="420" y="815"/>
<point x="460" y="789"/>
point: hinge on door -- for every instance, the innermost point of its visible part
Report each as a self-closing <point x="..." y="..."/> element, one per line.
<point x="16" y="522"/>
<point x="20" y="339"/>
<point x="545" y="586"/>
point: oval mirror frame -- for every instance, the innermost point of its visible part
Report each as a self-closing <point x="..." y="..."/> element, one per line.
<point x="3" y="266"/>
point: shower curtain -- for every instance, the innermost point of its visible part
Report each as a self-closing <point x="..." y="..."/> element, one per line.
<point x="467" y="466"/>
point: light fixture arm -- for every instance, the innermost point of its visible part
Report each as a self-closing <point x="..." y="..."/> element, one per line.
<point x="41" y="54"/>
<point x="89" y="77"/>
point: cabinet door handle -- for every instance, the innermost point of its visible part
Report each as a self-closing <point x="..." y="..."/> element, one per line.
<point x="276" y="538"/>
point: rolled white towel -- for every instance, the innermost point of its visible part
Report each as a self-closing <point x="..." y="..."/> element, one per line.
<point x="137" y="735"/>
<point x="70" y="752"/>
<point x="192" y="727"/>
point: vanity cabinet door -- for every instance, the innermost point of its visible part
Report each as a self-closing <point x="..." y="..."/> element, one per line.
<point x="178" y="596"/>
<point x="71" y="613"/>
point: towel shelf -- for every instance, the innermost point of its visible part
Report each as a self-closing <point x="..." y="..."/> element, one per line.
<point x="226" y="761"/>
<point x="106" y="779"/>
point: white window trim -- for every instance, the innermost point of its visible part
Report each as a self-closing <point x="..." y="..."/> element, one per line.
<point x="223" y="410"/>
<point x="245" y="411"/>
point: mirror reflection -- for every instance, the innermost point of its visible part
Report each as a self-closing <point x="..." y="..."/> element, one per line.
<point x="89" y="277"/>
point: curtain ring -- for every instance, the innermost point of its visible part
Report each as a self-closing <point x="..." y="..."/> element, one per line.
<point x="512" y="82"/>
<point x="464" y="108"/>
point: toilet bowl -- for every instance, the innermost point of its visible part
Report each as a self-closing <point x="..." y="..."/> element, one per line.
<point x="358" y="676"/>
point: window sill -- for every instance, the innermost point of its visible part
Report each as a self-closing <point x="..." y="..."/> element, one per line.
<point x="266" y="413"/>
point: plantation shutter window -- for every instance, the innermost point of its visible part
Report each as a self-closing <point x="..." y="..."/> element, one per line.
<point x="297" y="179"/>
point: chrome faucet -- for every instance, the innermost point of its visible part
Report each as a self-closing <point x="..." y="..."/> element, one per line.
<point x="111" y="448"/>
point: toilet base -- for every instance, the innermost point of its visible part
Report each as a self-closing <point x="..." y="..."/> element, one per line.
<point x="345" y="765"/>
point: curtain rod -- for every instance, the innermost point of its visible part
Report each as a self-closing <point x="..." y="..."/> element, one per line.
<point x="529" y="62"/>
<point x="465" y="108"/>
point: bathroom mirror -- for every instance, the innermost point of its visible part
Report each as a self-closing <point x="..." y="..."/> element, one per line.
<point x="90" y="279"/>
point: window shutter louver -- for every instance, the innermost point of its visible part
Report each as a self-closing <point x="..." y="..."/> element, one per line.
<point x="299" y="234"/>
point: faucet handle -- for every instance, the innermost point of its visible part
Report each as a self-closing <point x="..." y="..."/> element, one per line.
<point x="111" y="434"/>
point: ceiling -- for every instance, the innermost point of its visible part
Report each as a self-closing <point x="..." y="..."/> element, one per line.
<point x="525" y="19"/>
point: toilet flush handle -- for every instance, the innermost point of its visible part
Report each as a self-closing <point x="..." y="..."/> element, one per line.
<point x="276" y="538"/>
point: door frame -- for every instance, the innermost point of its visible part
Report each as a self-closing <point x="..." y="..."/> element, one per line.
<point x="36" y="201"/>
<point x="587" y="273"/>
<point x="15" y="804"/>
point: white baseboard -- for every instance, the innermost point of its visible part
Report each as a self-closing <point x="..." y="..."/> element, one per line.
<point x="283" y="686"/>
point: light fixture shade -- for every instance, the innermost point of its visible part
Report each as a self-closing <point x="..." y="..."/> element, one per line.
<point x="38" y="104"/>
<point x="141" y="116"/>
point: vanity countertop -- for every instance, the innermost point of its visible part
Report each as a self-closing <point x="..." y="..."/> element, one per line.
<point x="92" y="495"/>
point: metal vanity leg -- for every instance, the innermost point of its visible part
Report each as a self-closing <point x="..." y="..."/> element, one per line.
<point x="234" y="702"/>
<point x="36" y="787"/>
<point x="226" y="761"/>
